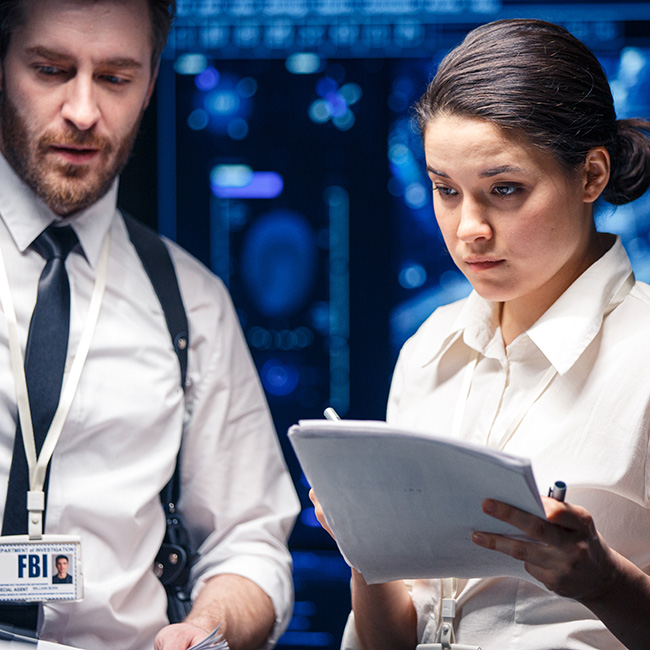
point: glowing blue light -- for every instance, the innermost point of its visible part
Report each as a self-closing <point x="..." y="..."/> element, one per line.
<point x="190" y="64"/>
<point x="336" y="105"/>
<point x="320" y="317"/>
<point x="303" y="63"/>
<point x="207" y="80"/>
<point x="451" y="280"/>
<point x="394" y="187"/>
<point x="416" y="196"/>
<point x="222" y="102"/>
<point x="318" y="111"/>
<point x="632" y="63"/>
<point x="260" y="338"/>
<point x="345" y="121"/>
<point x="399" y="154"/>
<point x="259" y="185"/>
<point x="326" y="86"/>
<point x="412" y="276"/>
<point x="238" y="128"/>
<point x="279" y="378"/>
<point x="198" y="119"/>
<point x="247" y="87"/>
<point x="352" y="93"/>
<point x="279" y="267"/>
<point x="231" y="176"/>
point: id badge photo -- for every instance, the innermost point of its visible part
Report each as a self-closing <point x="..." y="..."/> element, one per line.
<point x="44" y="570"/>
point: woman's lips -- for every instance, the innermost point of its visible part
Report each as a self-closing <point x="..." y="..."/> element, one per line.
<point x="479" y="264"/>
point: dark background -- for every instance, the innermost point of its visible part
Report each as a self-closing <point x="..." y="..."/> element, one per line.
<point x="334" y="271"/>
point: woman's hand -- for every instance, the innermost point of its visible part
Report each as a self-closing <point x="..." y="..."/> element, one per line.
<point x="568" y="555"/>
<point x="320" y="515"/>
<point x="571" y="558"/>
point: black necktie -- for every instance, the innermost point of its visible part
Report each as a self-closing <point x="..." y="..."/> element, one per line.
<point x="45" y="355"/>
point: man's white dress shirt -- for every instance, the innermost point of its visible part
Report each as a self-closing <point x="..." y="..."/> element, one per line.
<point x="589" y="428"/>
<point x="119" y="444"/>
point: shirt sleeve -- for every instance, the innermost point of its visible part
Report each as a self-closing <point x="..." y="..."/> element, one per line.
<point x="237" y="498"/>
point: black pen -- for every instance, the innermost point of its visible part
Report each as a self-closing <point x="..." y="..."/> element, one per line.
<point x="557" y="491"/>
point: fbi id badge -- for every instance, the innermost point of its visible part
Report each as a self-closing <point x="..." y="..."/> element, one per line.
<point x="41" y="570"/>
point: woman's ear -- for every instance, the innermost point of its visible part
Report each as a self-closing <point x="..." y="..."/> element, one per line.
<point x="596" y="174"/>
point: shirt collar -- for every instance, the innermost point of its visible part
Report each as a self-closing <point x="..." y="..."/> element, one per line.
<point x="566" y="329"/>
<point x="475" y="324"/>
<point x="26" y="215"/>
<point x="575" y="318"/>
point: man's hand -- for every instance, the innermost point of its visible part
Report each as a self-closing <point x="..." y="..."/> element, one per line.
<point x="242" y="610"/>
<point x="179" y="636"/>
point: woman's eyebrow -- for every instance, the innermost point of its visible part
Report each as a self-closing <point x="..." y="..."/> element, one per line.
<point x="504" y="169"/>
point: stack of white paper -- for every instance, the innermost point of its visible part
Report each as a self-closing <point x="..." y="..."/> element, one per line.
<point x="10" y="640"/>
<point x="404" y="504"/>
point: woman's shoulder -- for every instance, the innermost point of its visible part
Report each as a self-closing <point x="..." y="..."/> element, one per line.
<point x="641" y="294"/>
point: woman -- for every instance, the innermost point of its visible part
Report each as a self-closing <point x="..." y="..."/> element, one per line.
<point x="548" y="358"/>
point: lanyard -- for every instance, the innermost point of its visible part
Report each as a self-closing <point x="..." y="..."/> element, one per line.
<point x="38" y="465"/>
<point x="538" y="391"/>
<point x="527" y="404"/>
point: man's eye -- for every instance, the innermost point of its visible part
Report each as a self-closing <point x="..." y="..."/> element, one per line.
<point x="48" y="70"/>
<point x="114" y="80"/>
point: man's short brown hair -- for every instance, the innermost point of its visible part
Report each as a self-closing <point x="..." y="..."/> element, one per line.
<point x="162" y="13"/>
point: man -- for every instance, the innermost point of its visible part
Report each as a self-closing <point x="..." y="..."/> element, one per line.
<point x="76" y="77"/>
<point x="61" y="577"/>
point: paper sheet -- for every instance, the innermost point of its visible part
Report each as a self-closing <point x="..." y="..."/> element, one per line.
<point x="10" y="640"/>
<point x="404" y="504"/>
<point x="18" y="642"/>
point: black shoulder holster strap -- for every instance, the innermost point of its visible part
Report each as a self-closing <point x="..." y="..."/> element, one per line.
<point x="176" y="555"/>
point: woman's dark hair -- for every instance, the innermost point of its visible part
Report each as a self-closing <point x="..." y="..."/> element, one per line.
<point x="536" y="80"/>
<point x="162" y="13"/>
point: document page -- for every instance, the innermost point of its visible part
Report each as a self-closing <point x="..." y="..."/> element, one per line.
<point x="404" y="504"/>
<point x="11" y="641"/>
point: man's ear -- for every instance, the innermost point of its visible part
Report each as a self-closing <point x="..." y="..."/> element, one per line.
<point x="596" y="173"/>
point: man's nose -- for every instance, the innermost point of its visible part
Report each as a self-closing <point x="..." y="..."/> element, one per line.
<point x="80" y="106"/>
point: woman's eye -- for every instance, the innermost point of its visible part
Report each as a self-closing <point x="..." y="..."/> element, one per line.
<point x="506" y="190"/>
<point x="444" y="191"/>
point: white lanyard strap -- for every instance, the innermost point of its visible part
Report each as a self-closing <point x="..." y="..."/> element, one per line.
<point x="38" y="465"/>
<point x="466" y="386"/>
<point x="540" y="389"/>
<point x="463" y="395"/>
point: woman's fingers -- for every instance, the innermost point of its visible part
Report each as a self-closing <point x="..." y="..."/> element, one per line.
<point x="565" y="552"/>
<point x="318" y="511"/>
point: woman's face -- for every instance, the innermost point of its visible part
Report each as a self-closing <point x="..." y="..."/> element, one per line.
<point x="516" y="223"/>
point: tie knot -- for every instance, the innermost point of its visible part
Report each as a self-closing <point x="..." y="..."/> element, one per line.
<point x="55" y="242"/>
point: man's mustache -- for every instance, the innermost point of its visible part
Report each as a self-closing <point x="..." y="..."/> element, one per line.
<point x="75" y="138"/>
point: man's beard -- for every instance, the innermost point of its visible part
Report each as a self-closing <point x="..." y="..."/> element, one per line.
<point x="65" y="187"/>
